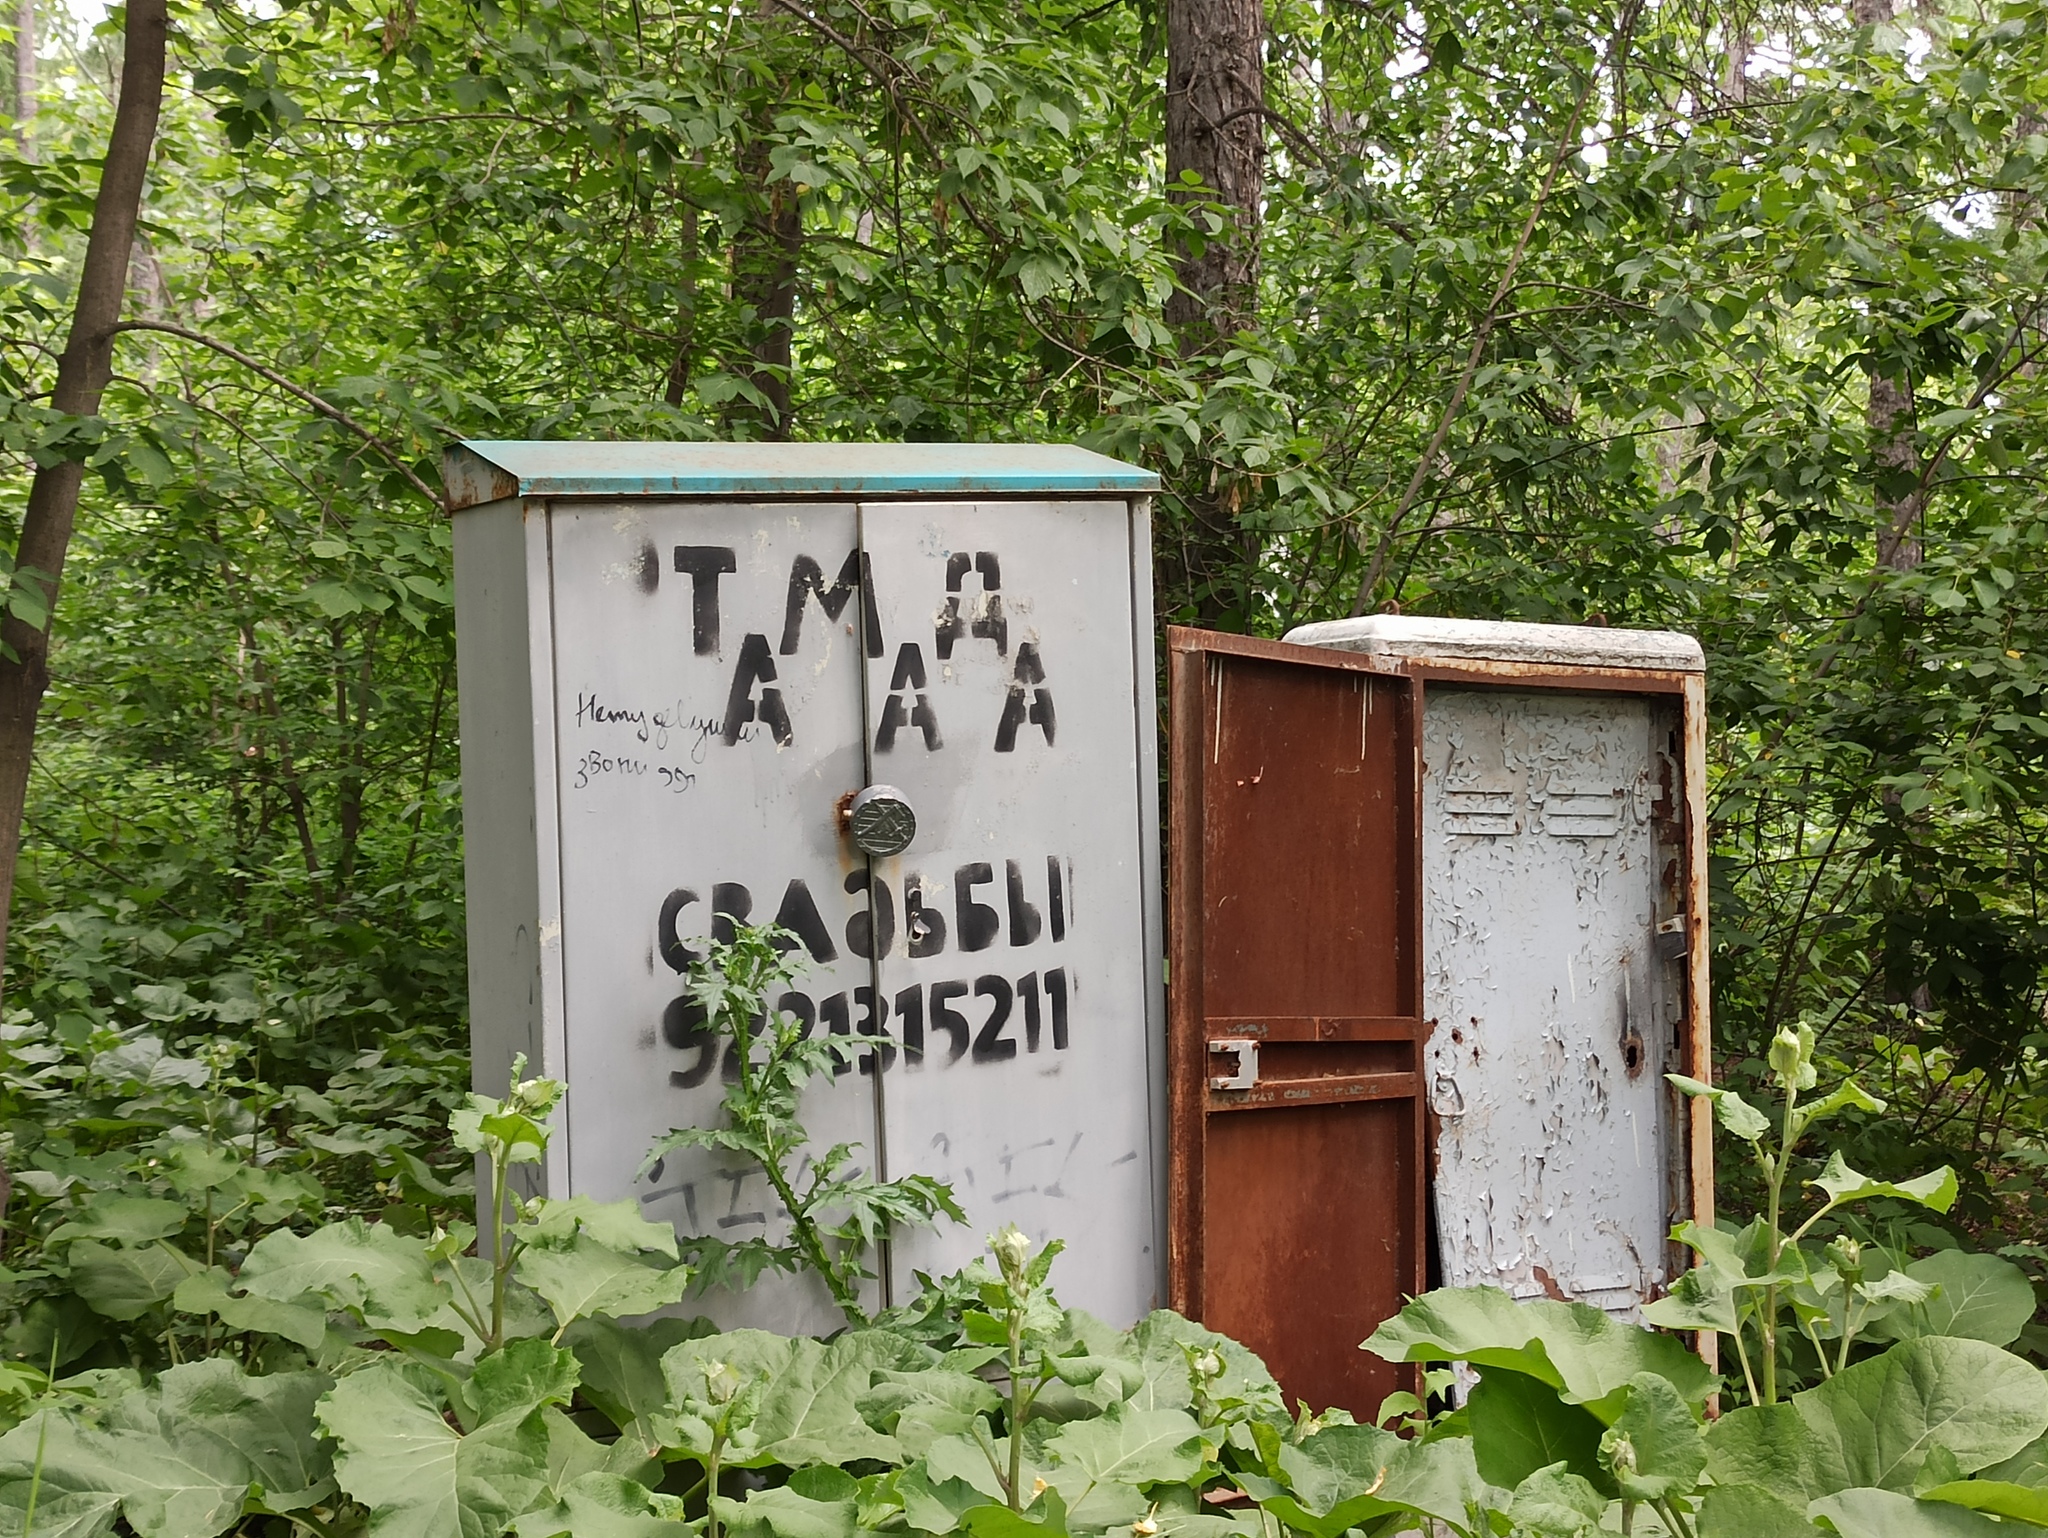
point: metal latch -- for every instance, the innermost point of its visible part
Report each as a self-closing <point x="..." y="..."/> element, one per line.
<point x="1247" y="1074"/>
<point x="1671" y="938"/>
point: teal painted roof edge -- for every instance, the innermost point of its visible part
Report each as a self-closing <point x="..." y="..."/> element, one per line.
<point x="486" y="470"/>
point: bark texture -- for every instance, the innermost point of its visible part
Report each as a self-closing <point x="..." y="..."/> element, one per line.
<point x="766" y="248"/>
<point x="764" y="280"/>
<point x="1215" y="127"/>
<point x="83" y="369"/>
<point x="25" y="84"/>
<point x="678" y="382"/>
<point x="1895" y="460"/>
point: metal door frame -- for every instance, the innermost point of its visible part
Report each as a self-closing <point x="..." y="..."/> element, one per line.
<point x="1187" y="1029"/>
<point x="1187" y="1055"/>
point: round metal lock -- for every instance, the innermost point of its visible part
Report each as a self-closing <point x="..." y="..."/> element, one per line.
<point x="881" y="820"/>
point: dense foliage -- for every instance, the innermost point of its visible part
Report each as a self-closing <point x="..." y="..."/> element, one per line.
<point x="357" y="1376"/>
<point x="1698" y="249"/>
<point x="1723" y="318"/>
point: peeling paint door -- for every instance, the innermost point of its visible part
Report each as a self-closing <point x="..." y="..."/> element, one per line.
<point x="1555" y="1018"/>
<point x="1010" y="934"/>
<point x="1297" y="1125"/>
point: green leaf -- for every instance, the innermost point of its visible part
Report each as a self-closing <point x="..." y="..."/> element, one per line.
<point x="382" y="1275"/>
<point x="1553" y="1502"/>
<point x="1577" y="1349"/>
<point x="1044" y="1518"/>
<point x="266" y="1420"/>
<point x="1654" y="1450"/>
<point x="1520" y="1425"/>
<point x="520" y="1379"/>
<point x="621" y="1368"/>
<point x="2028" y="1466"/>
<point x="336" y="600"/>
<point x="1751" y="1511"/>
<point x="1039" y="274"/>
<point x="1126" y="1446"/>
<point x="1848" y="1095"/>
<point x="751" y="1359"/>
<point x="935" y="1500"/>
<point x="782" y="1513"/>
<point x="1884" y="1414"/>
<point x="580" y="1277"/>
<point x="1736" y="1115"/>
<point x="127" y="1220"/>
<point x="615" y="1225"/>
<point x="1772" y="1446"/>
<point x="1865" y="1513"/>
<point x="2023" y="1503"/>
<point x="1327" y="1475"/>
<point x="178" y="1458"/>
<point x="1700" y="1299"/>
<point x="1936" y="1189"/>
<point x="1982" y="1298"/>
<point x="573" y="1452"/>
<point x="600" y="1505"/>
<point x="808" y="1412"/>
<point x="126" y="1284"/>
<point x="917" y="1408"/>
<point x="419" y="1476"/>
<point x="206" y="1292"/>
<point x="1162" y="1342"/>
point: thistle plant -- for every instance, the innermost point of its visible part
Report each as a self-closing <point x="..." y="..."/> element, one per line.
<point x="838" y="1212"/>
<point x="504" y="1132"/>
<point x="1742" y="1279"/>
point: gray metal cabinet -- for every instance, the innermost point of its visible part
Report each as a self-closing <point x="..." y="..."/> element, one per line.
<point x="1563" y="946"/>
<point x="677" y="663"/>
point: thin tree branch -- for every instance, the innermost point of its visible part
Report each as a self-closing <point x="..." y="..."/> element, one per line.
<point x="1567" y="142"/>
<point x="324" y="407"/>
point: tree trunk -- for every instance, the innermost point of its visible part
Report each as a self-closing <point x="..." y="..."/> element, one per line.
<point x="25" y="72"/>
<point x="1869" y="13"/>
<point x="83" y="369"/>
<point x="764" y="256"/>
<point x="764" y="282"/>
<point x="1896" y="471"/>
<point x="1735" y="67"/>
<point x="1215" y="127"/>
<point x="1216" y="130"/>
<point x="678" y="383"/>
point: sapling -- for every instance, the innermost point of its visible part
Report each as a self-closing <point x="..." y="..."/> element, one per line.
<point x="838" y="1213"/>
<point x="505" y="1132"/>
<point x="1018" y="1314"/>
<point x="1722" y="1293"/>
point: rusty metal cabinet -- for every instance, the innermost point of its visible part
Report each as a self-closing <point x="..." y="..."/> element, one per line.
<point x="678" y="661"/>
<point x="1516" y="854"/>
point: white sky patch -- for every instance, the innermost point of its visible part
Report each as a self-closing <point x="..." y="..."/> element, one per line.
<point x="1972" y="215"/>
<point x="1412" y="60"/>
<point x="85" y="15"/>
<point x="1409" y="61"/>
<point x="1593" y="146"/>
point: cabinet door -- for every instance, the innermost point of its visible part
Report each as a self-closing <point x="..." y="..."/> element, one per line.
<point x="1003" y="703"/>
<point x="707" y="717"/>
<point x="1556" y="1167"/>
<point x="1297" y="1184"/>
